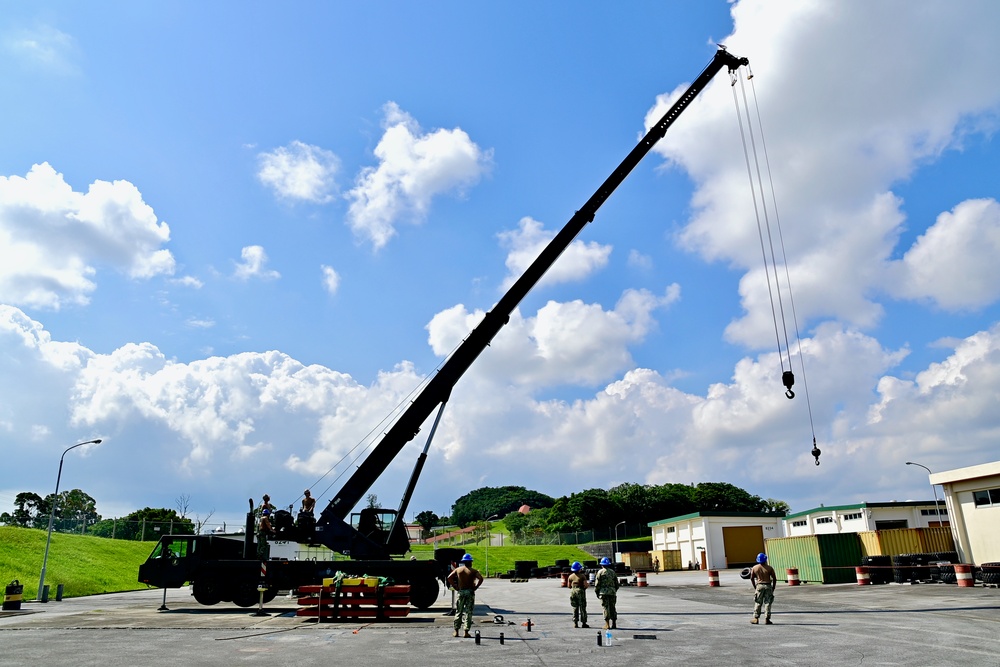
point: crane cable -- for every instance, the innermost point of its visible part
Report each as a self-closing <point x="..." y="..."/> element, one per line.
<point x="787" y="377"/>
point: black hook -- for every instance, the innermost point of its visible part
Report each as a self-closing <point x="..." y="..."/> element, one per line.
<point x="788" y="379"/>
<point x="815" y="451"/>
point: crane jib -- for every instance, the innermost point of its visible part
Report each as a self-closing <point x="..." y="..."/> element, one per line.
<point x="440" y="386"/>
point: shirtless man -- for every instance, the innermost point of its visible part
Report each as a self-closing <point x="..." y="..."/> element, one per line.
<point x="764" y="580"/>
<point x="465" y="579"/>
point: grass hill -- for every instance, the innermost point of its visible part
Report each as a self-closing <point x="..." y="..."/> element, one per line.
<point x="85" y="565"/>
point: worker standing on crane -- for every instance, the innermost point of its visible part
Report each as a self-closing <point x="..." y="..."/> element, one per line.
<point x="465" y="579"/>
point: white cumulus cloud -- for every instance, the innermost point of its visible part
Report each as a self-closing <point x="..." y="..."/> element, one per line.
<point x="300" y="171"/>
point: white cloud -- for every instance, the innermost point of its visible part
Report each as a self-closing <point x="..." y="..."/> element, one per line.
<point x="331" y="279"/>
<point x="253" y="265"/>
<point x="835" y="151"/>
<point x="300" y="172"/>
<point x="43" y="47"/>
<point x="53" y="238"/>
<point x="524" y="245"/>
<point x="413" y="168"/>
<point x="188" y="281"/>
<point x="954" y="262"/>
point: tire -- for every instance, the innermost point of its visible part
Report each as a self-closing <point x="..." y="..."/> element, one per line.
<point x="206" y="592"/>
<point x="245" y="595"/>
<point x="881" y="568"/>
<point x="990" y="573"/>
<point x="424" y="593"/>
<point x="901" y="571"/>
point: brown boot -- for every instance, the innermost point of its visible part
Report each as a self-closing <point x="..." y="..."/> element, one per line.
<point x="754" y="621"/>
<point x="576" y="625"/>
<point x="606" y="626"/>
<point x="456" y="633"/>
<point x="467" y="635"/>
<point x="768" y="622"/>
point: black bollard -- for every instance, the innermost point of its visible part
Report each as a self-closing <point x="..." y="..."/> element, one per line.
<point x="59" y="593"/>
<point x="478" y="638"/>
<point x="501" y="639"/>
<point x="529" y="625"/>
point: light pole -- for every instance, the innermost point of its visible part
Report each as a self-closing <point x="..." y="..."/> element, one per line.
<point x="936" y="504"/>
<point x="620" y="523"/>
<point x="488" y="545"/>
<point x="52" y="512"/>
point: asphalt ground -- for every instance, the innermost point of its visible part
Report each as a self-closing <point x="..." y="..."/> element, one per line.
<point x="676" y="619"/>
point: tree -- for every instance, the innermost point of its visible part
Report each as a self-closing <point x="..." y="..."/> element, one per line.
<point x="372" y="501"/>
<point x="75" y="511"/>
<point x="774" y="505"/>
<point x="427" y="520"/>
<point x="27" y="511"/>
<point x="145" y="524"/>
<point x="487" y="501"/>
<point x="724" y="497"/>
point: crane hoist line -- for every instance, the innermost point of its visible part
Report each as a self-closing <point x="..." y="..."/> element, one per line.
<point x="224" y="569"/>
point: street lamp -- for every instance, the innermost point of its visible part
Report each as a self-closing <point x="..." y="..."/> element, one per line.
<point x="488" y="545"/>
<point x="52" y="511"/>
<point x="936" y="504"/>
<point x="620" y="523"/>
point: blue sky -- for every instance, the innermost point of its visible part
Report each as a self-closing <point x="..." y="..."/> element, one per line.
<point x="234" y="236"/>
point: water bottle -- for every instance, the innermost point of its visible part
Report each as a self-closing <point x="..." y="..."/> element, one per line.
<point x="607" y="637"/>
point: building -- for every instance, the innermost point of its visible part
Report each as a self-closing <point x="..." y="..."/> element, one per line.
<point x="716" y="540"/>
<point x="972" y="496"/>
<point x="866" y="516"/>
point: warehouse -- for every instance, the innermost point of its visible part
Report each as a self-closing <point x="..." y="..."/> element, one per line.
<point x="716" y="540"/>
<point x="972" y="496"/>
<point x="862" y="517"/>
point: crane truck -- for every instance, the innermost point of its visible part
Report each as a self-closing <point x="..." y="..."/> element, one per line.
<point x="226" y="569"/>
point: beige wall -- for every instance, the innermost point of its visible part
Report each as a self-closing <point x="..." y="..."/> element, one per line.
<point x="976" y="529"/>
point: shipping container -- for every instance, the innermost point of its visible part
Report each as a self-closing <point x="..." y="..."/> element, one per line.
<point x="670" y="559"/>
<point x="897" y="541"/>
<point x="824" y="559"/>
<point x="638" y="561"/>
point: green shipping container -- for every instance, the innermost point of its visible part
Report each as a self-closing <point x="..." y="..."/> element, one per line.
<point x="824" y="559"/>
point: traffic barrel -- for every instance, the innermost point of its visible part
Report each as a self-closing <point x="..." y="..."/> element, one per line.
<point x="963" y="576"/>
<point x="864" y="578"/>
<point x="565" y="580"/>
<point x="713" y="578"/>
<point x="793" y="576"/>
<point x="641" y="579"/>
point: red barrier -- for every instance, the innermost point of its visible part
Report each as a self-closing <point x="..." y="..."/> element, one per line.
<point x="963" y="576"/>
<point x="864" y="578"/>
<point x="713" y="578"/>
<point x="793" y="576"/>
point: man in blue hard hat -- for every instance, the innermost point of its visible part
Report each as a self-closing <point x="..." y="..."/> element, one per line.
<point x="764" y="580"/>
<point x="606" y="587"/>
<point x="465" y="579"/>
<point x="578" y="584"/>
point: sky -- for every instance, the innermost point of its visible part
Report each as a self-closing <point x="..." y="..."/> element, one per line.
<point x="235" y="237"/>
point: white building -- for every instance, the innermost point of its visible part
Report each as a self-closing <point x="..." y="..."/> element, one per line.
<point x="973" y="498"/>
<point x="717" y="540"/>
<point x="866" y="516"/>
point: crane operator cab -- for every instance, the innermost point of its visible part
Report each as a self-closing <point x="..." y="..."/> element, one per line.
<point x="169" y="561"/>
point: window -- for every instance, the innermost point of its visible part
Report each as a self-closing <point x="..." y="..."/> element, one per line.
<point x="799" y="524"/>
<point x="824" y="519"/>
<point x="987" y="498"/>
<point x="935" y="512"/>
<point x="852" y="517"/>
<point x="671" y="529"/>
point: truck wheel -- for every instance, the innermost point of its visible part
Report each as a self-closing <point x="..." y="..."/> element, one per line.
<point x="206" y="593"/>
<point x="423" y="592"/>
<point x="245" y="595"/>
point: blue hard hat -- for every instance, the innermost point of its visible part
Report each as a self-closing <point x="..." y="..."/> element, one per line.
<point x="576" y="567"/>
<point x="467" y="558"/>
<point x="761" y="558"/>
<point x="605" y="561"/>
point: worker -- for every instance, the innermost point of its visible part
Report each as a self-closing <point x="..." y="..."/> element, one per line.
<point x="656" y="566"/>
<point x="465" y="579"/>
<point x="578" y="585"/>
<point x="308" y="502"/>
<point x="265" y="504"/>
<point x="764" y="580"/>
<point x="606" y="587"/>
<point x="264" y="531"/>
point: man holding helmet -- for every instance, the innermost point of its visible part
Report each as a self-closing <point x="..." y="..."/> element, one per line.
<point x="577" y="582"/>
<point x="764" y="580"/>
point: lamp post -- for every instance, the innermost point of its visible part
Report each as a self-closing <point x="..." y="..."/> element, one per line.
<point x="488" y="545"/>
<point x="936" y="504"/>
<point x="620" y="523"/>
<point x="52" y="511"/>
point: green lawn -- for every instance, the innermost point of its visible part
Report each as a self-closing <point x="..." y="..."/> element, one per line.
<point x="501" y="559"/>
<point x="85" y="565"/>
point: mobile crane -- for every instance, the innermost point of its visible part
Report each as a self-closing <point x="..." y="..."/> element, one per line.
<point x="227" y="569"/>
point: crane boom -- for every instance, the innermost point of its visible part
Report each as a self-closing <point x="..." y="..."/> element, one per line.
<point x="439" y="388"/>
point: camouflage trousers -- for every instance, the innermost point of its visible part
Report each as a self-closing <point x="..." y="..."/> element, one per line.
<point x="608" y="601"/>
<point x="578" y="600"/>
<point x="464" y="607"/>
<point x="763" y="597"/>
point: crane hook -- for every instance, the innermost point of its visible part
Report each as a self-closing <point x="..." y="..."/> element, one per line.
<point x="815" y="451"/>
<point x="788" y="379"/>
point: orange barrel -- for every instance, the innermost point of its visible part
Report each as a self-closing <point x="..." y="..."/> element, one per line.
<point x="793" y="576"/>
<point x="564" y="580"/>
<point x="963" y="575"/>
<point x="864" y="578"/>
<point x="713" y="577"/>
<point x="641" y="578"/>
